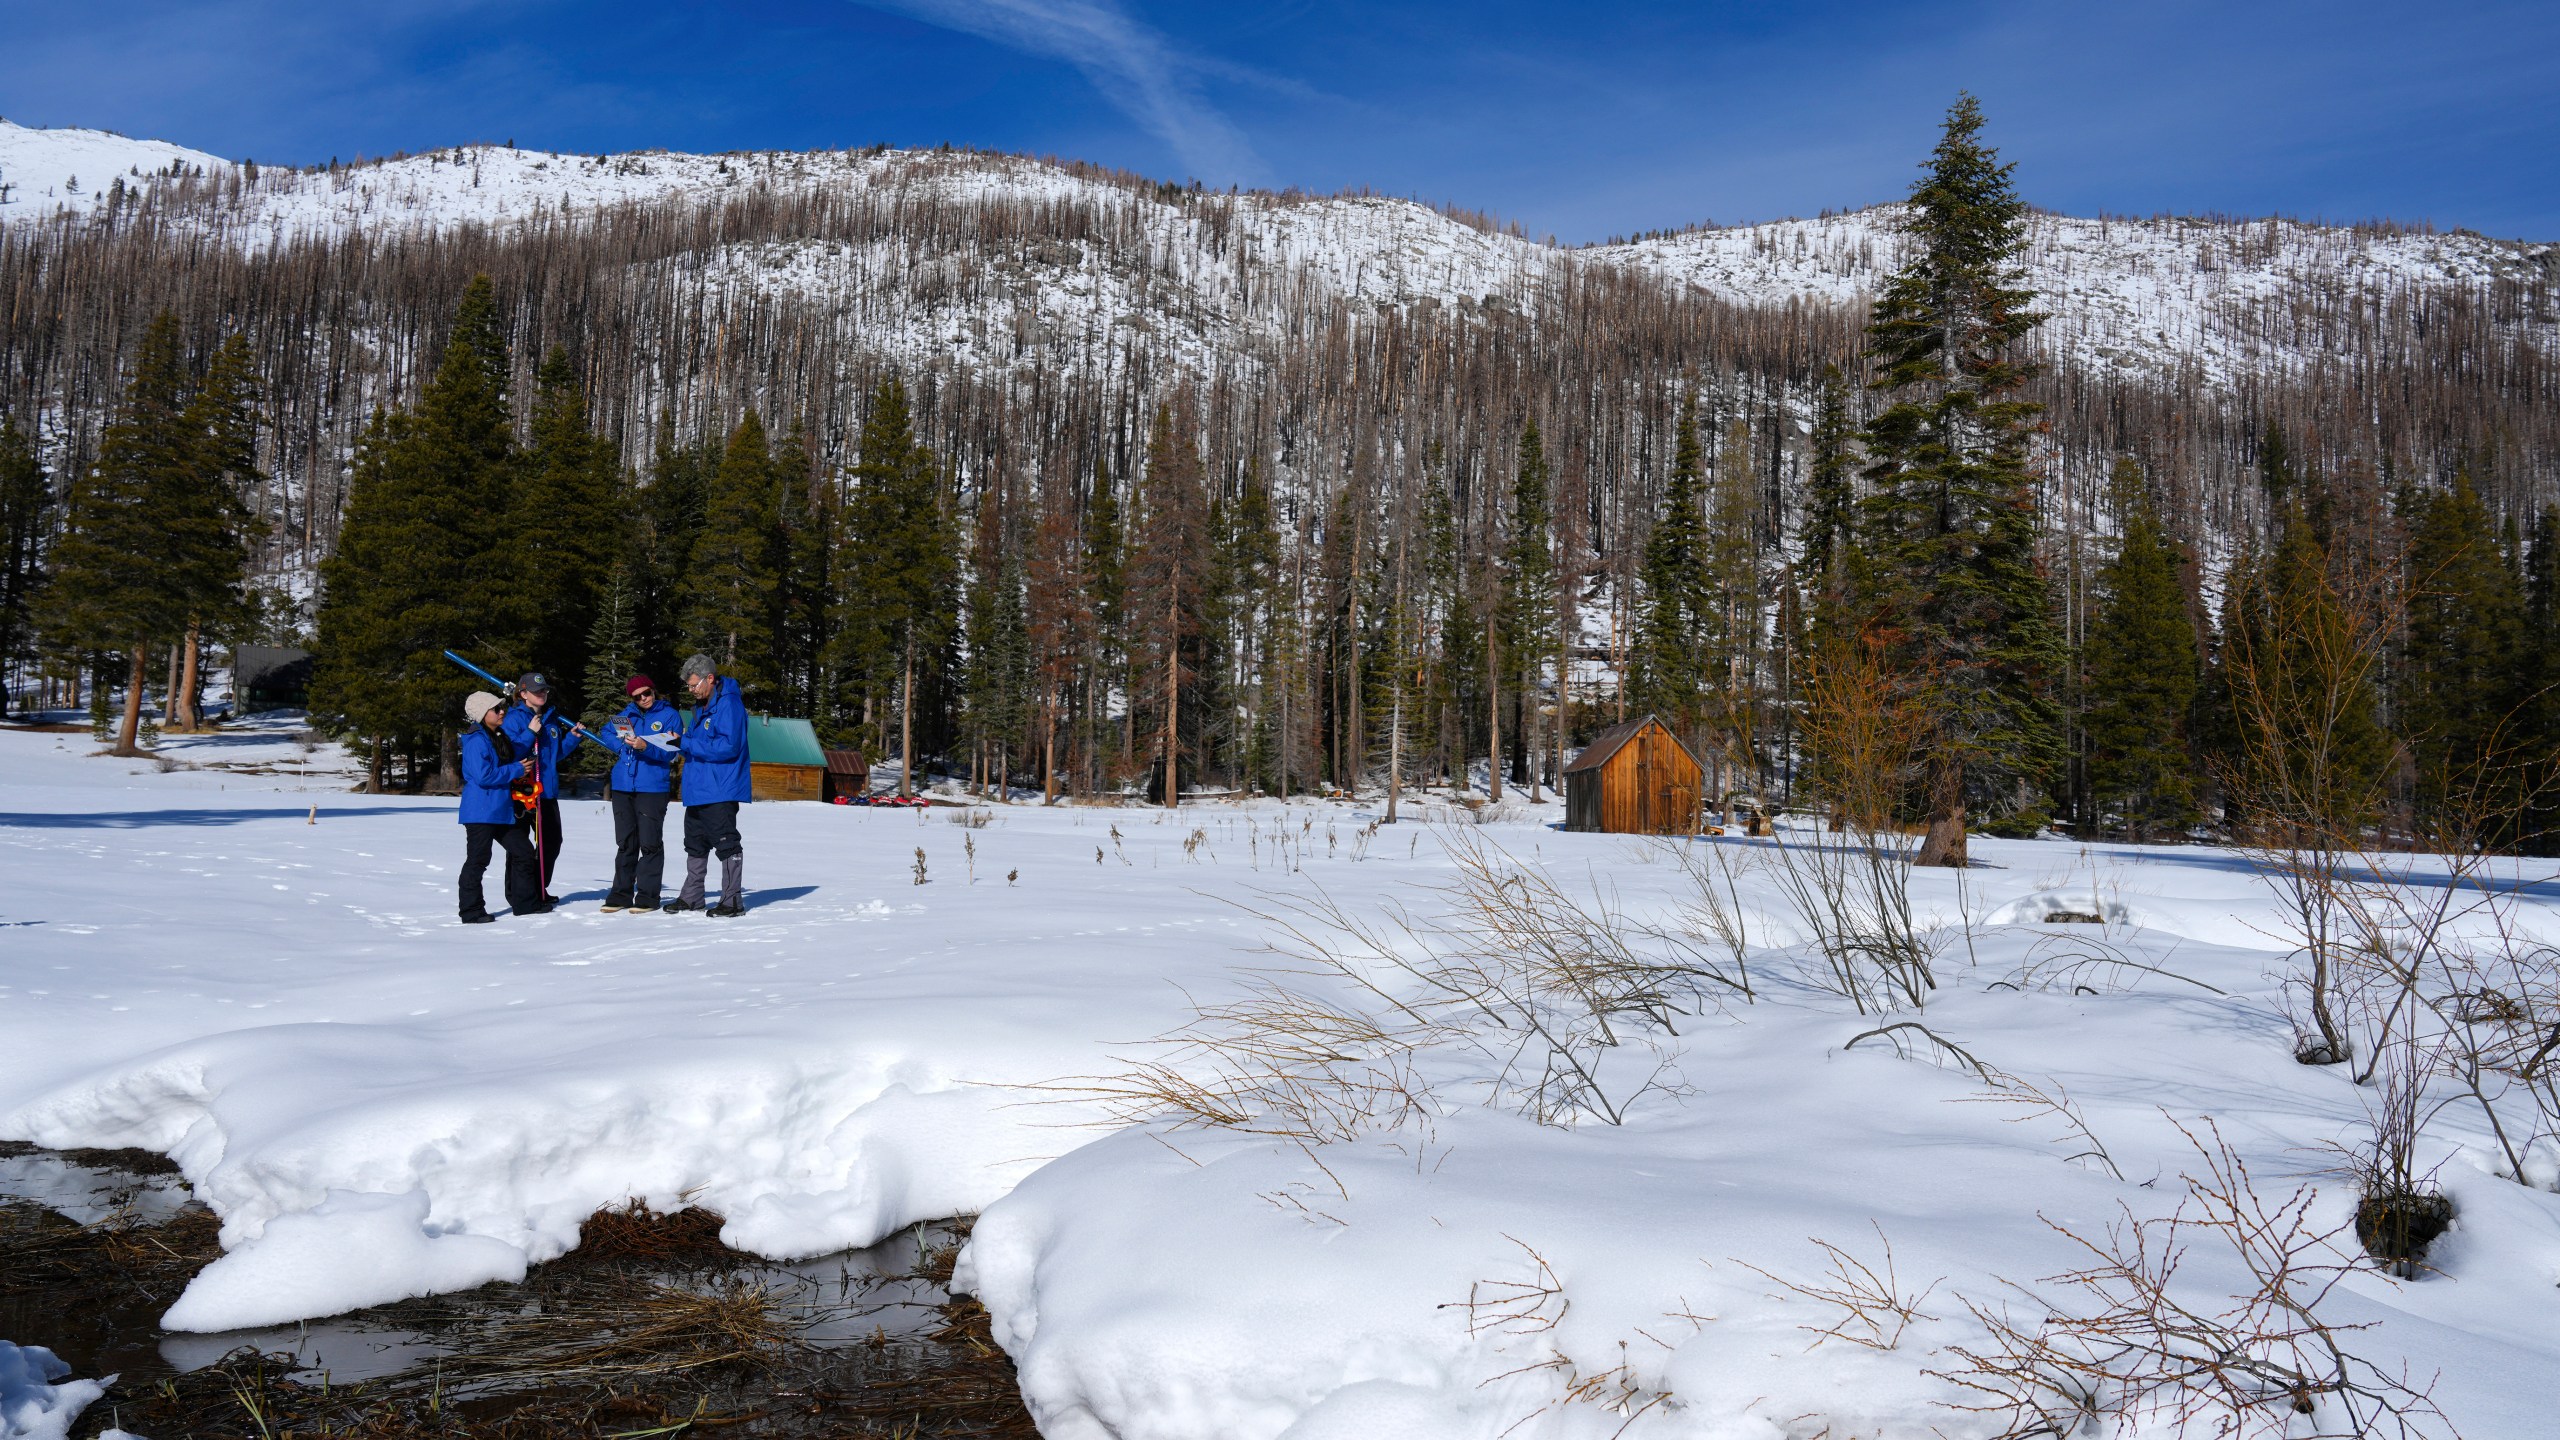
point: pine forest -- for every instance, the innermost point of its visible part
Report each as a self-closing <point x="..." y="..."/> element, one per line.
<point x="1081" y="484"/>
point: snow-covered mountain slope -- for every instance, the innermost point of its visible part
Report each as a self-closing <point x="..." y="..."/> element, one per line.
<point x="2151" y="296"/>
<point x="2182" y="301"/>
<point x="44" y="172"/>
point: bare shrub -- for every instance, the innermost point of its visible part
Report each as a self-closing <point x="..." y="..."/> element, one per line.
<point x="2118" y="1340"/>
<point x="1852" y="892"/>
<point x="1873" y="1308"/>
<point x="2087" y="964"/>
<point x="2053" y="1101"/>
<point x="1552" y="1004"/>
<point x="2308" y="634"/>
<point x="1530" y="1307"/>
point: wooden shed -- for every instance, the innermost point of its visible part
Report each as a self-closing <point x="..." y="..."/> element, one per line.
<point x="785" y="760"/>
<point x="1634" y="779"/>
<point x="848" y="775"/>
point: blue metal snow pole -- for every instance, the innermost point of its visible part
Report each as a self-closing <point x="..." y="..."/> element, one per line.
<point x="506" y="687"/>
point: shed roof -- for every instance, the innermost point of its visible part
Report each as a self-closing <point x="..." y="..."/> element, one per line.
<point x="774" y="740"/>
<point x="1610" y="741"/>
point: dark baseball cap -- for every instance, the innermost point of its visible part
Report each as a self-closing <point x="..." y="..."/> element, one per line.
<point x="533" y="680"/>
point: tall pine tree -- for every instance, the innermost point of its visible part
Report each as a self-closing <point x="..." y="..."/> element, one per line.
<point x="1951" y="520"/>
<point x="144" y="542"/>
<point x="2463" y="702"/>
<point x="564" y="531"/>
<point x="2143" y="672"/>
<point x="735" y="572"/>
<point x="897" y="605"/>
<point x="1529" y="598"/>
<point x="26" y="518"/>
<point x="420" y="566"/>
<point x="1671" y="644"/>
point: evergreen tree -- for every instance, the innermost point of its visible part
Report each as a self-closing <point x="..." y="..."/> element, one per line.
<point x="1105" y="557"/>
<point x="735" y="573"/>
<point x="2143" y="671"/>
<point x="1004" y="692"/>
<point x="613" y="642"/>
<point x="563" y="533"/>
<point x="667" y="519"/>
<point x="1168" y="585"/>
<point x="2463" y="702"/>
<point x="1448" y="620"/>
<point x="1950" y="524"/>
<point x="807" y="513"/>
<point x="897" y="606"/>
<point x="118" y="583"/>
<point x="2301" y="647"/>
<point x="1247" y="575"/>
<point x="1737" y="617"/>
<point x="208" y="530"/>
<point x="419" y="567"/>
<point x="1529" y="599"/>
<point x="26" y="517"/>
<point x="2275" y="467"/>
<point x="997" y="690"/>
<point x="1671" y="644"/>
<point x="1830" y="493"/>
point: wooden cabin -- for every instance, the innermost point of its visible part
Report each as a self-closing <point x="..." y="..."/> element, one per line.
<point x="784" y="761"/>
<point x="1635" y="779"/>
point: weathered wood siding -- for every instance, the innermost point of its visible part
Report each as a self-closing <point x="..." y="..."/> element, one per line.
<point x="1650" y="786"/>
<point x="787" y="782"/>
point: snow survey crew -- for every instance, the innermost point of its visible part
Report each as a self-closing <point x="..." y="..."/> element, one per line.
<point x="491" y="772"/>
<point x="715" y="784"/>
<point x="547" y="738"/>
<point x="640" y="775"/>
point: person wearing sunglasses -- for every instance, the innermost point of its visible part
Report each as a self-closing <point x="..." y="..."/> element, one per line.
<point x="641" y="770"/>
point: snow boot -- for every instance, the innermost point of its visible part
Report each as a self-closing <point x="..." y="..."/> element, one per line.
<point x="645" y="905"/>
<point x="728" y="908"/>
<point x="615" y="904"/>
<point x="483" y="918"/>
<point x="679" y="905"/>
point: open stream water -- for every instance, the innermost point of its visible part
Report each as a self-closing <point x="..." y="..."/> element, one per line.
<point x="650" y="1320"/>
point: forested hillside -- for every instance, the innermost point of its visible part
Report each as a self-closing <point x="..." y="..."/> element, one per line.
<point x="1359" y="430"/>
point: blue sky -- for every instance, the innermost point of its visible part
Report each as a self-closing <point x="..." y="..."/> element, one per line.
<point x="1580" y="121"/>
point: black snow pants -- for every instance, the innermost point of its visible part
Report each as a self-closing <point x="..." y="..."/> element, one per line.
<point x="639" y="848"/>
<point x="524" y="888"/>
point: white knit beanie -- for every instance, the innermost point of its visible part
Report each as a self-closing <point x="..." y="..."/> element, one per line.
<point x="478" y="704"/>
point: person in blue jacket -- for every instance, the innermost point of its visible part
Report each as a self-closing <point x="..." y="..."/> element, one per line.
<point x="641" y="771"/>
<point x="715" y="784"/>
<point x="546" y="737"/>
<point x="491" y="771"/>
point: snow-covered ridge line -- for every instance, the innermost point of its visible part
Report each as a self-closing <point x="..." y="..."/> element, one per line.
<point x="2172" y="300"/>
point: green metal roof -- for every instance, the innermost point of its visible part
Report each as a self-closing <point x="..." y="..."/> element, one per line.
<point x="775" y="740"/>
<point x="772" y="740"/>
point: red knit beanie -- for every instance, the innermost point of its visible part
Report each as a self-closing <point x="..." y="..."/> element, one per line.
<point x="638" y="683"/>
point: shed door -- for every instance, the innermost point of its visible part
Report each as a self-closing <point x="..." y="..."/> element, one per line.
<point x="1656" y="778"/>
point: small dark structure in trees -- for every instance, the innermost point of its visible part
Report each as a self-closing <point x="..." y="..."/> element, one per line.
<point x="1634" y="779"/>
<point x="264" y="677"/>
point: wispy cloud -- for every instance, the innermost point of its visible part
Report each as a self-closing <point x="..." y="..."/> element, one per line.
<point x="1132" y="66"/>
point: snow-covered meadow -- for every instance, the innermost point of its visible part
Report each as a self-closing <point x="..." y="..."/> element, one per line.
<point x="236" y="962"/>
